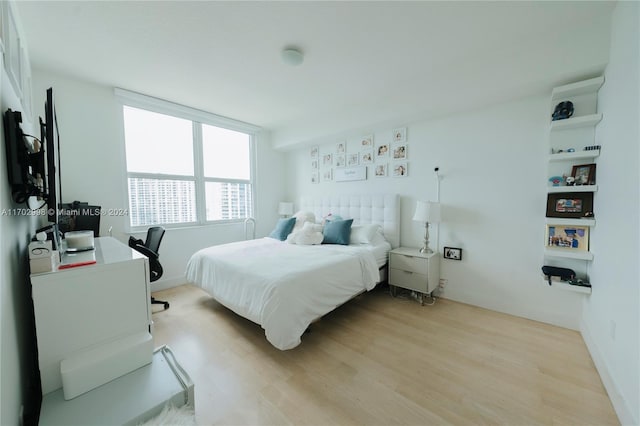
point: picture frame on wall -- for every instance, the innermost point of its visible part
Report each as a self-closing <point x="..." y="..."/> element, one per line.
<point x="575" y="238"/>
<point x="313" y="152"/>
<point x="366" y="157"/>
<point x="380" y="170"/>
<point x="366" y="142"/>
<point x="327" y="175"/>
<point x="584" y="174"/>
<point x="400" y="169"/>
<point x="314" y="164"/>
<point x="400" y="134"/>
<point x="400" y="152"/>
<point x="353" y="159"/>
<point x="340" y="160"/>
<point x="570" y="204"/>
<point x="341" y="148"/>
<point x="327" y="160"/>
<point x="382" y="150"/>
<point x="315" y="177"/>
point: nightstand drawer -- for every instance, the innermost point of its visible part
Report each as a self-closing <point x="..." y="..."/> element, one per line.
<point x="409" y="280"/>
<point x="408" y="263"/>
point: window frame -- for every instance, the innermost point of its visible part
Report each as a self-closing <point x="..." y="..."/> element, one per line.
<point x="197" y="118"/>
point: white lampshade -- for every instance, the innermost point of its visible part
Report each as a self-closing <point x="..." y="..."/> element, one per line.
<point x="427" y="211"/>
<point x="285" y="209"/>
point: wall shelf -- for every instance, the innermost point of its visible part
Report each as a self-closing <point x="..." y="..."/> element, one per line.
<point x="568" y="253"/>
<point x="575" y="188"/>
<point x="570" y="222"/>
<point x="577" y="89"/>
<point x="576" y="122"/>
<point x="568" y="287"/>
<point x="578" y="155"/>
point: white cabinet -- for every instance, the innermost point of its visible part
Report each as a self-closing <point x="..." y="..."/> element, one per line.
<point x="82" y="308"/>
<point x="570" y="217"/>
<point x="410" y="269"/>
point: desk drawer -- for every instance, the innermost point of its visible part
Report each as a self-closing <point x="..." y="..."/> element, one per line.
<point x="408" y="263"/>
<point x="409" y="280"/>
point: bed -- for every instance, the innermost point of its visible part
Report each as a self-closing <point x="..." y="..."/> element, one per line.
<point x="284" y="287"/>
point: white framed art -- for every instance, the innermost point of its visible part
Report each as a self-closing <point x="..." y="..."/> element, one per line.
<point x="315" y="177"/>
<point x="327" y="175"/>
<point x="400" y="152"/>
<point x="382" y="150"/>
<point x="400" y="134"/>
<point x="340" y="160"/>
<point x="313" y="152"/>
<point x="380" y="170"/>
<point x="400" y="169"/>
<point x="353" y="159"/>
<point x="366" y="142"/>
<point x="366" y="157"/>
<point x="341" y="148"/>
<point x="326" y="160"/>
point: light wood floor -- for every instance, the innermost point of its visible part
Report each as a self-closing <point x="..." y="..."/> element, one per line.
<point x="383" y="361"/>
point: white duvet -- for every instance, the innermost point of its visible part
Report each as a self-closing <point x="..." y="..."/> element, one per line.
<point x="283" y="287"/>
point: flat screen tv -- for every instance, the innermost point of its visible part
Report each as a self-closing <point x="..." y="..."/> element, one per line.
<point x="51" y="138"/>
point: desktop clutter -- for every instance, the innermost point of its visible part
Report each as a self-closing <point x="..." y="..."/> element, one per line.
<point x="44" y="257"/>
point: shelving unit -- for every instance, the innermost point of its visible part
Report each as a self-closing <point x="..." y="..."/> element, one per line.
<point x="568" y="140"/>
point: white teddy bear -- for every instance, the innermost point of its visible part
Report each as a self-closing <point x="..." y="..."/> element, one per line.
<point x="310" y="234"/>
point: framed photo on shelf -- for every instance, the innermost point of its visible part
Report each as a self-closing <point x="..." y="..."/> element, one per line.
<point x="584" y="174"/>
<point x="568" y="237"/>
<point x="570" y="204"/>
<point x="452" y="253"/>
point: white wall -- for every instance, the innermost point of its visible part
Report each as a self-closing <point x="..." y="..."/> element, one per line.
<point x="94" y="170"/>
<point x="611" y="320"/>
<point x="493" y="190"/>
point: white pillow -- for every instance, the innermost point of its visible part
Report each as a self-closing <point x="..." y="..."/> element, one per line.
<point x="363" y="234"/>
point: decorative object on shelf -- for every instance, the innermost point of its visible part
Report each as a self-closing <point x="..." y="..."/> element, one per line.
<point x="285" y="209"/>
<point x="427" y="212"/>
<point x="584" y="174"/>
<point x="555" y="180"/>
<point x="565" y="274"/>
<point x="400" y="134"/>
<point x="570" y="180"/>
<point x="568" y="237"/>
<point x="453" y="253"/>
<point x="570" y="204"/>
<point x="562" y="111"/>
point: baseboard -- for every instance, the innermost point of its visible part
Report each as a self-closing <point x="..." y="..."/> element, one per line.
<point x="620" y="405"/>
<point x="166" y="283"/>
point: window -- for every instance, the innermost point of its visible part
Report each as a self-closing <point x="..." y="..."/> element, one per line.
<point x="185" y="167"/>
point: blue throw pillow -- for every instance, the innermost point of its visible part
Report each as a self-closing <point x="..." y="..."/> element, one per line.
<point x="337" y="232"/>
<point x="283" y="228"/>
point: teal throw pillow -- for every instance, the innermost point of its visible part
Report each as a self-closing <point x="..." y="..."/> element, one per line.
<point x="283" y="228"/>
<point x="337" y="232"/>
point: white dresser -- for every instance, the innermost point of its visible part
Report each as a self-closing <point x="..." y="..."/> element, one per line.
<point x="89" y="307"/>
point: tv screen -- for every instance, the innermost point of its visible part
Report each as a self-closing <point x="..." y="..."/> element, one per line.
<point x="52" y="149"/>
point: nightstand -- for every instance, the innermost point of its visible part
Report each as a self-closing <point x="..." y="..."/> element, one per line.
<point x="410" y="269"/>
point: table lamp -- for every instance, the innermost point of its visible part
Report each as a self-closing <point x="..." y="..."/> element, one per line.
<point x="427" y="212"/>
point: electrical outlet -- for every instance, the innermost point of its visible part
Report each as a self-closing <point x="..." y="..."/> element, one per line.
<point x="442" y="283"/>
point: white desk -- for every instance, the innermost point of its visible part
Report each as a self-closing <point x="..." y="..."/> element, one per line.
<point x="84" y="307"/>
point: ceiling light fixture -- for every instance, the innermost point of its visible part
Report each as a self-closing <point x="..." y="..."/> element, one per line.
<point x="292" y="56"/>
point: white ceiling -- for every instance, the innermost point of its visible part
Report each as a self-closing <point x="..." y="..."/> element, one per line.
<point x="366" y="63"/>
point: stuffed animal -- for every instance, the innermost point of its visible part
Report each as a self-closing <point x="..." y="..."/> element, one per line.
<point x="310" y="234"/>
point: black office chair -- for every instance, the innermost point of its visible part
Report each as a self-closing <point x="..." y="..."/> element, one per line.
<point x="150" y="249"/>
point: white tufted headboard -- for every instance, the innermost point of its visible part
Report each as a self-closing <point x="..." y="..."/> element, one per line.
<point x="383" y="209"/>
